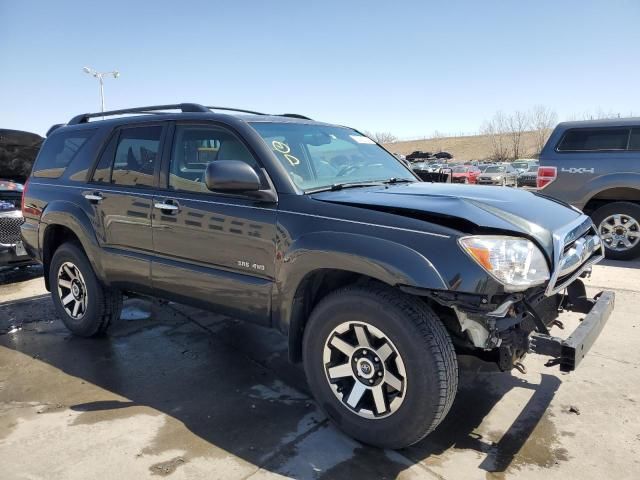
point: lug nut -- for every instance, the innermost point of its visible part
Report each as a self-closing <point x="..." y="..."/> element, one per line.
<point x="371" y="381"/>
<point x="377" y="359"/>
<point x="379" y="374"/>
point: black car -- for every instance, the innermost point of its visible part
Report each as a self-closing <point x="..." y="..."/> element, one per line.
<point x="12" y="252"/>
<point x="377" y="279"/>
<point x="529" y="177"/>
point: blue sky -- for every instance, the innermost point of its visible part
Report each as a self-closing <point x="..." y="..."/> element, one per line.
<point x="408" y="67"/>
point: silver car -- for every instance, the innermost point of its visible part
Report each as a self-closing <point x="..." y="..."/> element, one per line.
<point x="504" y="175"/>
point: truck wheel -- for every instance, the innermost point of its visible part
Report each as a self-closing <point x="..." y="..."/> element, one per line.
<point x="84" y="304"/>
<point x="380" y="364"/>
<point x="618" y="224"/>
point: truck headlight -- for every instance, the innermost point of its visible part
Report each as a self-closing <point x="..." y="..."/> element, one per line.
<point x="515" y="262"/>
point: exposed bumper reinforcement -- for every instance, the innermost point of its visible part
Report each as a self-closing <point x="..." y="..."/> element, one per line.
<point x="568" y="353"/>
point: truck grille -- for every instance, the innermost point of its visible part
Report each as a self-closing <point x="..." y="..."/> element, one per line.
<point x="576" y="249"/>
<point x="10" y="229"/>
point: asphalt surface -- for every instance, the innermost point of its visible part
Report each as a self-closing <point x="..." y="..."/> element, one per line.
<point x="177" y="392"/>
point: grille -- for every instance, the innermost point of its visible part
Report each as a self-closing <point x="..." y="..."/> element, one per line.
<point x="580" y="247"/>
<point x="10" y="229"/>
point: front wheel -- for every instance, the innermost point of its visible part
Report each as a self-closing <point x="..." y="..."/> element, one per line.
<point x="619" y="227"/>
<point x="380" y="364"/>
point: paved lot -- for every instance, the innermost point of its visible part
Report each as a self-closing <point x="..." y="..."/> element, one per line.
<point x="177" y="392"/>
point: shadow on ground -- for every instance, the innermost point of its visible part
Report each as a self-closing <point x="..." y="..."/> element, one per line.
<point x="231" y="385"/>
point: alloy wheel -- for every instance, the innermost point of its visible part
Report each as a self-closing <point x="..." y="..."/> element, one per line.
<point x="619" y="232"/>
<point x="365" y="370"/>
<point x="72" y="290"/>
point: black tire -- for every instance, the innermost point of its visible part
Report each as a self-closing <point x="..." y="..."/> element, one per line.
<point x="625" y="208"/>
<point x="103" y="304"/>
<point x="421" y="340"/>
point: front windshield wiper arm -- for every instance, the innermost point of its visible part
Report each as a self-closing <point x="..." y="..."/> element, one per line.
<point x="394" y="180"/>
<point x="340" y="186"/>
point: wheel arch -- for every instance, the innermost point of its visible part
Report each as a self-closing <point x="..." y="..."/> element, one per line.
<point x="610" y="195"/>
<point x="321" y="263"/>
<point x="66" y="222"/>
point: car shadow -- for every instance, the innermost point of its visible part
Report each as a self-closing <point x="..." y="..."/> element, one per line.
<point x="230" y="384"/>
<point x="633" y="264"/>
<point x="10" y="275"/>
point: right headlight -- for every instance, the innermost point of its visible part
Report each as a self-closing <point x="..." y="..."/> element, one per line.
<point x="515" y="262"/>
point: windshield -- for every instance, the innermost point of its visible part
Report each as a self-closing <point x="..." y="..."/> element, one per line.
<point x="533" y="168"/>
<point x="460" y="169"/>
<point x="317" y="156"/>
<point x="495" y="169"/>
<point x="522" y="165"/>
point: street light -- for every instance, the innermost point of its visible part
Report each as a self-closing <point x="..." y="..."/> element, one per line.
<point x="100" y="76"/>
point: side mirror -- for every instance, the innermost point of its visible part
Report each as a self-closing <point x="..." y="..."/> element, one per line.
<point x="231" y="176"/>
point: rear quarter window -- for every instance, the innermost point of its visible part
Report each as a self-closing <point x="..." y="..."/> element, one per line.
<point x="594" y="139"/>
<point x="58" y="151"/>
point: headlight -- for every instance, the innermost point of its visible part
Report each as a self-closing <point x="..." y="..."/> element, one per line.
<point x="515" y="262"/>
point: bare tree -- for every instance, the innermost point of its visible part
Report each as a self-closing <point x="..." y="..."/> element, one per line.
<point x="516" y="124"/>
<point x="497" y="132"/>
<point x="543" y="119"/>
<point x="381" y="137"/>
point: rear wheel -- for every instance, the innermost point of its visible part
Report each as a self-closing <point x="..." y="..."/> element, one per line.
<point x="380" y="364"/>
<point x="85" y="306"/>
<point x="618" y="224"/>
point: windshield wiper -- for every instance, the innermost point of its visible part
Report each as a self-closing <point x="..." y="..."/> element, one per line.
<point x="394" y="180"/>
<point x="340" y="186"/>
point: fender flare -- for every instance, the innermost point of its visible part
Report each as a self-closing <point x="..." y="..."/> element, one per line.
<point x="71" y="216"/>
<point x="383" y="260"/>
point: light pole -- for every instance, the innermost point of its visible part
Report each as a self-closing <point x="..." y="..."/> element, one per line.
<point x="100" y="76"/>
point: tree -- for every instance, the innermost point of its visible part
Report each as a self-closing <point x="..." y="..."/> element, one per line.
<point x="381" y="137"/>
<point x="516" y="124"/>
<point x="543" y="119"/>
<point x="497" y="132"/>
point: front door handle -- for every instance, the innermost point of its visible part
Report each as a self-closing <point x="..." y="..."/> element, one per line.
<point x="94" y="197"/>
<point x="167" y="207"/>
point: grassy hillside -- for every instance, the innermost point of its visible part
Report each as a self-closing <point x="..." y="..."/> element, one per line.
<point x="473" y="147"/>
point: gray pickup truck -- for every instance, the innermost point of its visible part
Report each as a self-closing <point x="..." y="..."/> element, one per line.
<point x="595" y="166"/>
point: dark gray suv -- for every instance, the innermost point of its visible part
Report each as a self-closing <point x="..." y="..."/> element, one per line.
<point x="595" y="166"/>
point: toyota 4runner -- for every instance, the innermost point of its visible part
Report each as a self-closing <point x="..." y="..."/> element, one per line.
<point x="377" y="279"/>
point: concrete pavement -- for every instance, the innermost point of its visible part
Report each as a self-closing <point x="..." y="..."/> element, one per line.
<point x="177" y="392"/>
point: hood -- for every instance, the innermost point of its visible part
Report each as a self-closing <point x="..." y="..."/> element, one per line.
<point x="493" y="174"/>
<point x="469" y="208"/>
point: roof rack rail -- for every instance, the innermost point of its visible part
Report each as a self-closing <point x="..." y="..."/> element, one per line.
<point x="295" y="115"/>
<point x="237" y="110"/>
<point x="184" y="107"/>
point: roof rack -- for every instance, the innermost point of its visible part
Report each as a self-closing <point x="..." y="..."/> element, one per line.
<point x="294" y="115"/>
<point x="183" y="107"/>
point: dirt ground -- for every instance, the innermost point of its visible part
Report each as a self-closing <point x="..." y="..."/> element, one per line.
<point x="181" y="393"/>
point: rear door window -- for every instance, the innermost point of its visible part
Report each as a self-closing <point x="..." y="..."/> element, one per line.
<point x="594" y="139"/>
<point x="136" y="156"/>
<point x="58" y="151"/>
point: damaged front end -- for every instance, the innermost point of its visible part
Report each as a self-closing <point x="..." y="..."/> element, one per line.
<point x="506" y="327"/>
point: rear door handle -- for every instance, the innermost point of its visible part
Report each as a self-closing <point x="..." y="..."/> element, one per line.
<point x="94" y="197"/>
<point x="167" y="207"/>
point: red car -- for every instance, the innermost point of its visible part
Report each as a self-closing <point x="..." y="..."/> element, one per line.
<point x="465" y="174"/>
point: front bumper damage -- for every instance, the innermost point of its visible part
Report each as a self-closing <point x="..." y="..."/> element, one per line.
<point x="569" y="352"/>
